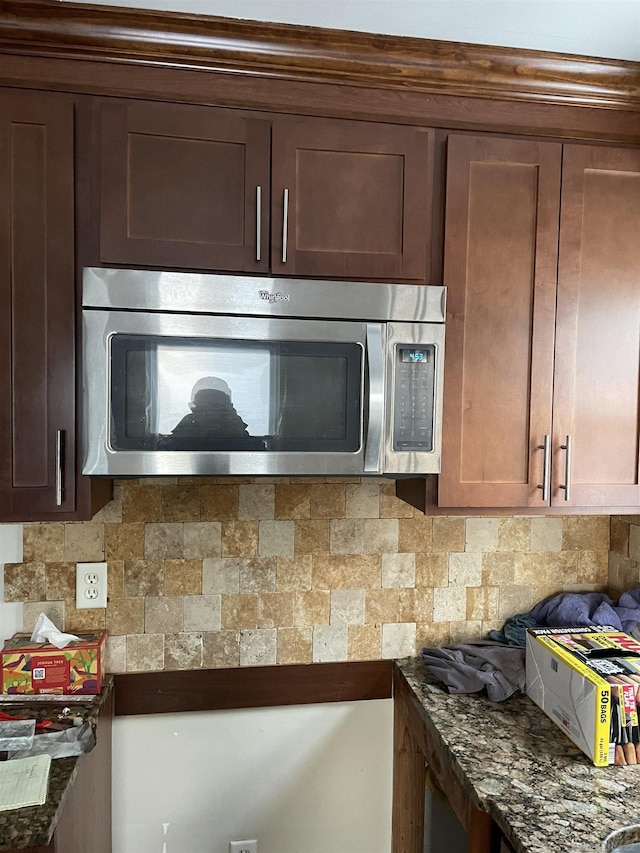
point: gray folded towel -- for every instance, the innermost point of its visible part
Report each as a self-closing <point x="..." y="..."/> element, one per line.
<point x="471" y="667"/>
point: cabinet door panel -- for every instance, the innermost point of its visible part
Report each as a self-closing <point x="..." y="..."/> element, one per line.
<point x="500" y="270"/>
<point x="179" y="187"/>
<point x="359" y="199"/>
<point x="598" y="332"/>
<point x="37" y="417"/>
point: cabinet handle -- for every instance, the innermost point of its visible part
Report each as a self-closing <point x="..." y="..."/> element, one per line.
<point x="567" y="468"/>
<point x="285" y="224"/>
<point x="258" y="221"/>
<point x="546" y="467"/>
<point x="59" y="435"/>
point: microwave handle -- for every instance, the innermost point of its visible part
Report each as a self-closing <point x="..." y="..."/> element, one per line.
<point x="373" y="438"/>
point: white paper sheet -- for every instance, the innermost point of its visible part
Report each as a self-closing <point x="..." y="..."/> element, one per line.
<point x="24" y="782"/>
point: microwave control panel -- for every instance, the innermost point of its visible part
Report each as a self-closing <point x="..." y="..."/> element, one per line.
<point x="414" y="397"/>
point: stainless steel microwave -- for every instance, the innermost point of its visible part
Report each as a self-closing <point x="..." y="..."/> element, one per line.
<point x="203" y="374"/>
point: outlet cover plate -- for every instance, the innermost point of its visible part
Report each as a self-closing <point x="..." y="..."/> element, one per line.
<point x="248" y="846"/>
<point x="91" y="585"/>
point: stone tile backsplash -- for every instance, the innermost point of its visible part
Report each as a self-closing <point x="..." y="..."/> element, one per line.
<point x="219" y="573"/>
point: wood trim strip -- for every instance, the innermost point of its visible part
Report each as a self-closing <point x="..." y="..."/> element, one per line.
<point x="251" y="687"/>
<point x="168" y="39"/>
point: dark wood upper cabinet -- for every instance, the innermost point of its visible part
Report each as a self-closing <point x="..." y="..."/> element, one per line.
<point x="202" y="187"/>
<point x="597" y="366"/>
<point x="350" y="199"/>
<point x="183" y="186"/>
<point x="501" y="246"/>
<point x="37" y="340"/>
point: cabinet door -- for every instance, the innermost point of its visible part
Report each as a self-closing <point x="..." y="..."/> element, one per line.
<point x="37" y="408"/>
<point x="501" y="238"/>
<point x="183" y="186"/>
<point x="597" y="372"/>
<point x="350" y="199"/>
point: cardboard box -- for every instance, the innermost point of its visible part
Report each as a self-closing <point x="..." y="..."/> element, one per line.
<point x="587" y="680"/>
<point x="42" y="668"/>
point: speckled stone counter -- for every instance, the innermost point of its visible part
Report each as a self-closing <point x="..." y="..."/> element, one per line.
<point x="34" y="826"/>
<point x="515" y="764"/>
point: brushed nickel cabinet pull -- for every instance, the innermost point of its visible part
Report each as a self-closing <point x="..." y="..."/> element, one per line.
<point x="258" y="221"/>
<point x="567" y="468"/>
<point x="285" y="224"/>
<point x="546" y="467"/>
<point x="59" y="467"/>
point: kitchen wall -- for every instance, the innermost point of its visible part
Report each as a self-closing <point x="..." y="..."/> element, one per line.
<point x="224" y="573"/>
<point x="624" y="559"/>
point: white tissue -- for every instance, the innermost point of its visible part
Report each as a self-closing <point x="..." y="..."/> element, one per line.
<point x="46" y="631"/>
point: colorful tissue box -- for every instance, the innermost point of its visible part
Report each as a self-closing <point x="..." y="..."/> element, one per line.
<point x="29" y="667"/>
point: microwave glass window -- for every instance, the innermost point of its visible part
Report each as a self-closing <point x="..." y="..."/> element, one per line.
<point x="200" y="394"/>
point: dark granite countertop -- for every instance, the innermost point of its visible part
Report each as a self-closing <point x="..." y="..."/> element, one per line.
<point x="34" y="826"/>
<point x="515" y="763"/>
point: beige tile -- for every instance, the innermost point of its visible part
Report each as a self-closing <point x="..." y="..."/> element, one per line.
<point x="24" y="582"/>
<point x="398" y="570"/>
<point x="221" y="576"/>
<point x="294" y="645"/>
<point x="83" y="541"/>
<point x="257" y="574"/>
<point x="219" y="502"/>
<point x="465" y="632"/>
<point x="481" y="534"/>
<point x="258" y="647"/>
<point x="221" y="649"/>
<point x="43" y="542"/>
<point x="415" y="535"/>
<point x="60" y="581"/>
<point x="182" y="577"/>
<point x="432" y="634"/>
<point x="449" y="604"/>
<point x="329" y="571"/>
<point x="399" y="640"/>
<point x="275" y="538"/>
<point x="381" y="535"/>
<point x="124" y="541"/>
<point x="163" y="615"/>
<point x="311" y="536"/>
<point x="202" y="539"/>
<point x="164" y="541"/>
<point x="327" y="500"/>
<point x="293" y="573"/>
<point x="465" y="569"/>
<point x="634" y="542"/>
<point x="448" y="534"/>
<point x="115" y="579"/>
<point x="362" y="500"/>
<point x="180" y="503"/>
<point x="145" y="652"/>
<point x="498" y="568"/>
<point x="546" y="534"/>
<point x="54" y="610"/>
<point x="584" y="532"/>
<point x="381" y="605"/>
<point x="483" y="602"/>
<point x="116" y="654"/>
<point x="329" y="643"/>
<point x="256" y="502"/>
<point x="202" y="612"/>
<point x="311" y="608"/>
<point x="76" y="621"/>
<point x="239" y="611"/>
<point x="601" y="533"/>
<point x="432" y="570"/>
<point x="415" y="605"/>
<point x="620" y="535"/>
<point x="514" y="534"/>
<point x="364" y="642"/>
<point x="348" y="537"/>
<point x="110" y="513"/>
<point x="125" y="616"/>
<point x="347" y="607"/>
<point x="275" y="609"/>
<point x="239" y="538"/>
<point x="143" y="577"/>
<point x="515" y="598"/>
<point x="183" y="651"/>
<point x="546" y="568"/>
<point x="292" y="501"/>
<point x="390" y="505"/>
<point x="141" y="503"/>
<point x="363" y="571"/>
<point x="593" y="567"/>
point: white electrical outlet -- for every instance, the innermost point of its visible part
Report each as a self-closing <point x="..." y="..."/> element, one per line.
<point x="91" y="585"/>
<point x="243" y="846"/>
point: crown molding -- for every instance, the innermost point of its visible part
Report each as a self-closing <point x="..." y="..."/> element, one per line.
<point x="47" y="28"/>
